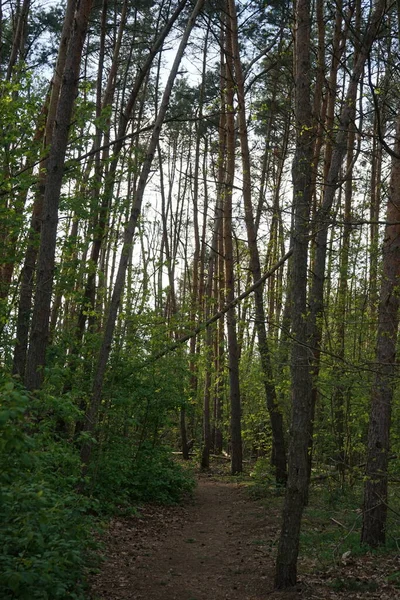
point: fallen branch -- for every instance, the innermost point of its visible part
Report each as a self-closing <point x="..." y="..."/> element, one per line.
<point x="338" y="523"/>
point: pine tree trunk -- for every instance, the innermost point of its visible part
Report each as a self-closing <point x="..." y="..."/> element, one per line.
<point x="376" y="483"/>
<point x="297" y="483"/>
<point x="233" y="351"/>
<point x="93" y="409"/>
<point x="29" y="266"/>
<point x="276" y="417"/>
<point x="322" y="219"/>
<point x="340" y="401"/>
<point x="54" y="175"/>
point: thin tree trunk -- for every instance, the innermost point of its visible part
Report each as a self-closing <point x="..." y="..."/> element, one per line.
<point x="18" y="37"/>
<point x="205" y="455"/>
<point x="276" y="417"/>
<point x="297" y="483"/>
<point x="102" y="216"/>
<point x="28" y="269"/>
<point x="197" y="255"/>
<point x="340" y="391"/>
<point x="331" y="183"/>
<point x="375" y="205"/>
<point x="171" y="279"/>
<point x="234" y="385"/>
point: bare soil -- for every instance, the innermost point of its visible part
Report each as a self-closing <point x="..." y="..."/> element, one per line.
<point x="218" y="546"/>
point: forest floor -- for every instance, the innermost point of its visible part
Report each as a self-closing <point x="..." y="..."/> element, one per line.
<point x="221" y="546"/>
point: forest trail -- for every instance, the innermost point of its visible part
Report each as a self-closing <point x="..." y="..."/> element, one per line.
<point x="219" y="546"/>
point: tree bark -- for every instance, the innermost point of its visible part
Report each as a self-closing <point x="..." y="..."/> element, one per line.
<point x="297" y="483"/>
<point x="18" y="37"/>
<point x="376" y="484"/>
<point x="275" y="414"/>
<point x="322" y="220"/>
<point x="126" y="115"/>
<point x="28" y="269"/>
<point x="234" y="385"/>
<point x="55" y="170"/>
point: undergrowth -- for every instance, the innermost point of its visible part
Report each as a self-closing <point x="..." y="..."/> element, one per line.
<point x="46" y="527"/>
<point x="263" y="481"/>
<point x="124" y="477"/>
<point x="331" y="525"/>
<point x="332" y="521"/>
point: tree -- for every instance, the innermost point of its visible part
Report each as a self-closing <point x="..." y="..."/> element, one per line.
<point x="297" y="483"/>
<point x="55" y="170"/>
<point x="28" y="269"/>
<point x="275" y="413"/>
<point x="376" y="482"/>
<point x="331" y="183"/>
<point x="233" y="354"/>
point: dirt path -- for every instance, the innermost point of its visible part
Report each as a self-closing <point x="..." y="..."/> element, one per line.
<point x="216" y="548"/>
<point x="221" y="546"/>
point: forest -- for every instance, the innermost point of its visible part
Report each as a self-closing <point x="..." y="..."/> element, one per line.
<point x="199" y="282"/>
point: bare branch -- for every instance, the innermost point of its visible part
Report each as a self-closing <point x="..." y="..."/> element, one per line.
<point x="221" y="312"/>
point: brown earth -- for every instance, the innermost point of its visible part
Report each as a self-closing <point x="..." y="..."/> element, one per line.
<point x="220" y="546"/>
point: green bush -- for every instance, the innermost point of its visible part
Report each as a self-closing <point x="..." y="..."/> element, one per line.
<point x="263" y="479"/>
<point x="127" y="477"/>
<point x="46" y="541"/>
<point x="44" y="538"/>
<point x="159" y="479"/>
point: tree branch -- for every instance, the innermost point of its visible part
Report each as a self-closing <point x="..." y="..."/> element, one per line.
<point x="221" y="312"/>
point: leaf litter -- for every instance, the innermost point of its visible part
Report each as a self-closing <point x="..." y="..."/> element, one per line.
<point x="221" y="545"/>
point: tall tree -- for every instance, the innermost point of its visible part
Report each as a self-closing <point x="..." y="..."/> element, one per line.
<point x="92" y="412"/>
<point x="275" y="413"/>
<point x="331" y="183"/>
<point x="54" y="175"/>
<point x="301" y="384"/>
<point x="233" y="349"/>
<point x="28" y="269"/>
<point x="376" y="482"/>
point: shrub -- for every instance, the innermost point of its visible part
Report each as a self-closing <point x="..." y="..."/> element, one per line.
<point x="126" y="477"/>
<point x="44" y="537"/>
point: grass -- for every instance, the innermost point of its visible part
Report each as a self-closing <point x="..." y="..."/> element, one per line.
<point x="352" y="584"/>
<point x="332" y="524"/>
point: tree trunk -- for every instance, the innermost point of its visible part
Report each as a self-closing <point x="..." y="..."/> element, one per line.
<point x="55" y="170"/>
<point x="28" y="269"/>
<point x="322" y="220"/>
<point x="376" y="483"/>
<point x="18" y="37"/>
<point x="340" y="393"/>
<point x="234" y="386"/>
<point x="276" y="417"/>
<point x="101" y="219"/>
<point x="297" y="484"/>
<point x="208" y="295"/>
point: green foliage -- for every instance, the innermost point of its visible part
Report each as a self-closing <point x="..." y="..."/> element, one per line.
<point x="256" y="430"/>
<point x="263" y="479"/>
<point x="127" y="477"/>
<point x="44" y="536"/>
<point x="332" y="525"/>
<point x="46" y="526"/>
<point x="352" y="584"/>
